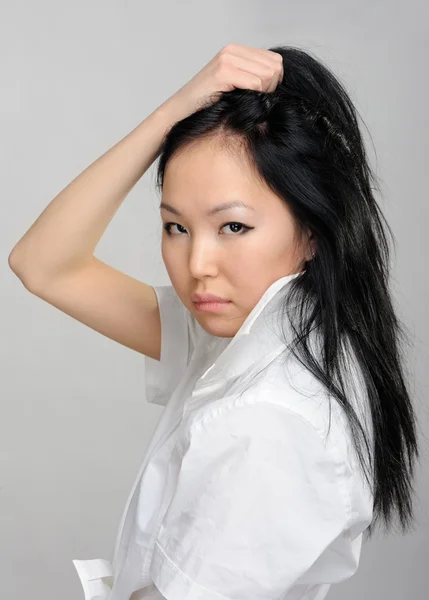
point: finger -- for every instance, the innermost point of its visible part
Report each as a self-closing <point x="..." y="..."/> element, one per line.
<point x="247" y="81"/>
<point x="276" y="60"/>
<point x="256" y="67"/>
<point x="266" y="57"/>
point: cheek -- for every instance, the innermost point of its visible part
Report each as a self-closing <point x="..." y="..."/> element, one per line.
<point x="174" y="263"/>
<point x="262" y="259"/>
<point x="169" y="252"/>
<point x="266" y="245"/>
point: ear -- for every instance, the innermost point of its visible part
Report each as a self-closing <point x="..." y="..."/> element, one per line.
<point x="310" y="245"/>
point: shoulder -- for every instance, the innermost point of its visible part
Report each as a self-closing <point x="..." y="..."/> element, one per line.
<point x="296" y="419"/>
<point x="255" y="483"/>
<point x="287" y="389"/>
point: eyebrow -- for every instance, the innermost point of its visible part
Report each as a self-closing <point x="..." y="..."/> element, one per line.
<point x="212" y="211"/>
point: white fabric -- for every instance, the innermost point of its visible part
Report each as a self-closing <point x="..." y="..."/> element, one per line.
<point x="178" y="336"/>
<point x="242" y="493"/>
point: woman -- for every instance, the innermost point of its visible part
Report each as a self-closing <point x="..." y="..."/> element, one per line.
<point x="288" y="430"/>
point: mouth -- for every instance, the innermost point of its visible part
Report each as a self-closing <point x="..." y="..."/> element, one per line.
<point x="208" y="298"/>
<point x="212" y="306"/>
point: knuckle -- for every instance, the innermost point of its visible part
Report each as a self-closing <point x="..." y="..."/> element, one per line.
<point x="223" y="58"/>
<point x="268" y="75"/>
<point x="227" y="48"/>
<point x="222" y="70"/>
<point x="258" y="83"/>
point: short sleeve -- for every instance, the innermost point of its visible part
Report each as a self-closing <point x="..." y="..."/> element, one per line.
<point x="257" y="504"/>
<point x="162" y="376"/>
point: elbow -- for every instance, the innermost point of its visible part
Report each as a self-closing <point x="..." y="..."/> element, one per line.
<point x="13" y="262"/>
<point x="17" y="265"/>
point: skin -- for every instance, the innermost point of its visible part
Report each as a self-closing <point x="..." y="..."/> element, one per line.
<point x="213" y="254"/>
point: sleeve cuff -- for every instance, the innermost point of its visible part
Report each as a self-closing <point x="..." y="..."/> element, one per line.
<point x="163" y="376"/>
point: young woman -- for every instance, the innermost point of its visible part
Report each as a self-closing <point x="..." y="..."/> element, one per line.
<point x="288" y="430"/>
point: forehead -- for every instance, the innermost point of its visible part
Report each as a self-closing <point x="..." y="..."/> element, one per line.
<point x="213" y="171"/>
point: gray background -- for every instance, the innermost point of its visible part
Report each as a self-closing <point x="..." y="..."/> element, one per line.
<point x="77" y="77"/>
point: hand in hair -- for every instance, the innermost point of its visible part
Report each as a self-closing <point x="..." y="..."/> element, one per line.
<point x="234" y="66"/>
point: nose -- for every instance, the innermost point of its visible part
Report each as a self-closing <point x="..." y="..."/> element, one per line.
<point x="203" y="259"/>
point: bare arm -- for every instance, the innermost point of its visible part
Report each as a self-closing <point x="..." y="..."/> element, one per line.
<point x="67" y="232"/>
<point x="55" y="260"/>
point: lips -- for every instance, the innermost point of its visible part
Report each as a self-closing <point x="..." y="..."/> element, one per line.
<point x="207" y="298"/>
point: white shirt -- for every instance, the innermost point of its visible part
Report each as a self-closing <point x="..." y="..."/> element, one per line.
<point x="242" y="494"/>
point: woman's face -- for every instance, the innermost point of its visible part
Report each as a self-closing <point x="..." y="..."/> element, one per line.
<point x="216" y="253"/>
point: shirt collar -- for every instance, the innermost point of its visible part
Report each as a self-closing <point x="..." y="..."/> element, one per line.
<point x="258" y="339"/>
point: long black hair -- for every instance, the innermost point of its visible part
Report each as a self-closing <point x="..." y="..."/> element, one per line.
<point x="305" y="144"/>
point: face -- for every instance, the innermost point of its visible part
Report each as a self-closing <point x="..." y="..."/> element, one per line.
<point x="235" y="253"/>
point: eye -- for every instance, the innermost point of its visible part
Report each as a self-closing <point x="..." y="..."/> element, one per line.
<point x="168" y="226"/>
<point x="244" y="229"/>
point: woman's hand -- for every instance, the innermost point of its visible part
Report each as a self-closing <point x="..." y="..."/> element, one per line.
<point x="234" y="66"/>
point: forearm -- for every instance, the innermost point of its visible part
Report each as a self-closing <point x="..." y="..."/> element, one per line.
<point x="70" y="227"/>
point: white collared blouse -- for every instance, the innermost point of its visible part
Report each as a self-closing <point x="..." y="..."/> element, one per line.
<point x="242" y="494"/>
